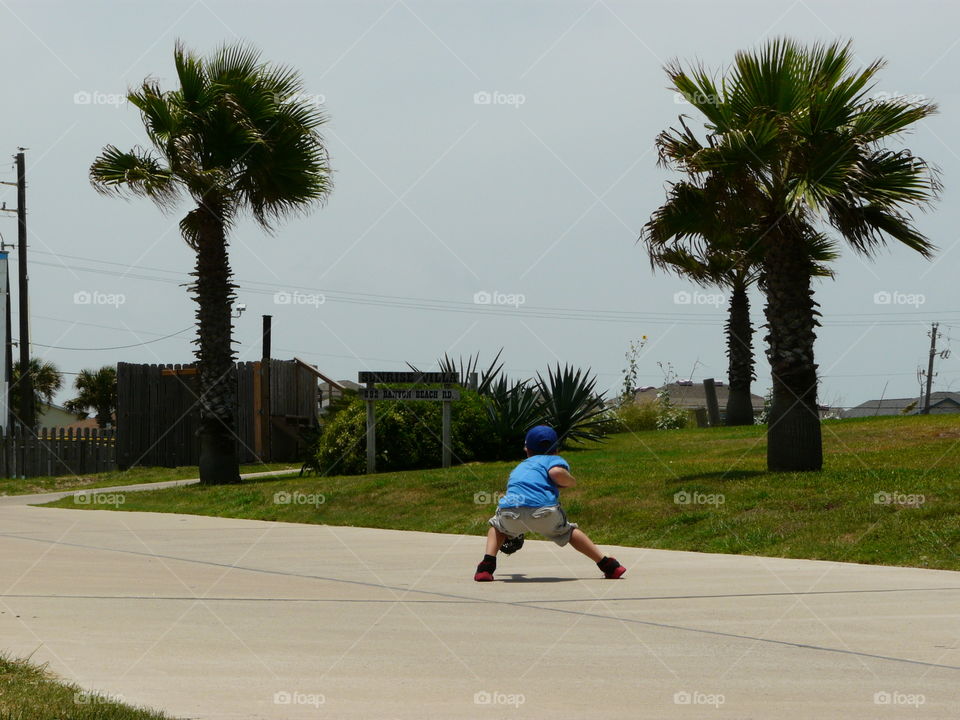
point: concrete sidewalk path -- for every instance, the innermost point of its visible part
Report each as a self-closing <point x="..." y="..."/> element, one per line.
<point x="40" y="498"/>
<point x="217" y="618"/>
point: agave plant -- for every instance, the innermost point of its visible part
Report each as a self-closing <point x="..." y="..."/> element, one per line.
<point x="465" y="368"/>
<point x="569" y="403"/>
<point x="513" y="409"/>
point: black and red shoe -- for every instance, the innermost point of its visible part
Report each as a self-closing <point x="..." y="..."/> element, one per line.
<point x="485" y="570"/>
<point x="611" y="569"/>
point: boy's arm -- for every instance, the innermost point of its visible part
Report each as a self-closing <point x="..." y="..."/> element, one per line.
<point x="561" y="476"/>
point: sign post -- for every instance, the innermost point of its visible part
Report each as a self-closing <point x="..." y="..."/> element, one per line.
<point x="371" y="393"/>
<point x="445" y="437"/>
<point x="371" y="432"/>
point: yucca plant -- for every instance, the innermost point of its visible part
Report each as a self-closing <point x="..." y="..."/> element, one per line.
<point x="513" y="408"/>
<point x="569" y="403"/>
<point x="465" y="368"/>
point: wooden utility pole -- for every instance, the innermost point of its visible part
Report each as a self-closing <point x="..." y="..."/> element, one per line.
<point x="266" y="447"/>
<point x="26" y="382"/>
<point x="25" y="412"/>
<point x="933" y="352"/>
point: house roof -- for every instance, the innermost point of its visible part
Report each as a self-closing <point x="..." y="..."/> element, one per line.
<point x="345" y="384"/>
<point x="85" y="423"/>
<point x="944" y="401"/>
<point x="693" y="396"/>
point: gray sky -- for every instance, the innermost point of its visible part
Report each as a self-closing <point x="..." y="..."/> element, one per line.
<point x="538" y="194"/>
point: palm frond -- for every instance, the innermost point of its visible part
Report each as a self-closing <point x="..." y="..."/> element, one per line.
<point x="137" y="172"/>
<point x="866" y="227"/>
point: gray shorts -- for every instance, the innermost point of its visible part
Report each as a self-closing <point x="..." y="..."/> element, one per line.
<point x="551" y="522"/>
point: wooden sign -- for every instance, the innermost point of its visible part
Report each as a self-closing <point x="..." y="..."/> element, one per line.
<point x="420" y="378"/>
<point x="408" y="394"/>
<point x="445" y="395"/>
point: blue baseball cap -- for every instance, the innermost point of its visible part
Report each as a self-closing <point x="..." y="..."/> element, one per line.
<point x="541" y="440"/>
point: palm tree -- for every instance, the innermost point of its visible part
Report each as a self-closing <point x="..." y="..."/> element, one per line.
<point x="97" y="389"/>
<point x="237" y="134"/>
<point x="706" y="233"/>
<point x="798" y="128"/>
<point x="45" y="379"/>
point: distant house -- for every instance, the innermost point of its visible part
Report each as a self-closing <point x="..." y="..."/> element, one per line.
<point x="690" y="395"/>
<point x="55" y="416"/>
<point x="940" y="403"/>
<point x="328" y="391"/>
<point x="90" y="423"/>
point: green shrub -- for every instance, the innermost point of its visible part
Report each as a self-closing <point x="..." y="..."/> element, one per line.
<point x="669" y="416"/>
<point x="635" y="417"/>
<point x="408" y="436"/>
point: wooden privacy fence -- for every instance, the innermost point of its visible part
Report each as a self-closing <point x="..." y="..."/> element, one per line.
<point x="158" y="412"/>
<point x="58" y="451"/>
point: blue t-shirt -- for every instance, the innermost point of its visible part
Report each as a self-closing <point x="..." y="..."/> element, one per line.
<point x="530" y="484"/>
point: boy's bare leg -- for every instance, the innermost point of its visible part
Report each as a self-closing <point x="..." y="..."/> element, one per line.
<point x="580" y="542"/>
<point x="495" y="539"/>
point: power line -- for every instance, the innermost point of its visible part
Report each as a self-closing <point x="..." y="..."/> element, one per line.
<point x="115" y="347"/>
<point x="899" y="318"/>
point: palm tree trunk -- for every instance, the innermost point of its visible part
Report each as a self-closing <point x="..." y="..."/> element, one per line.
<point x="793" y="431"/>
<point x="213" y="292"/>
<point x="740" y="357"/>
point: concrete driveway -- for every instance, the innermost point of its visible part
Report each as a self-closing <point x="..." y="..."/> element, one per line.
<point x="218" y="618"/>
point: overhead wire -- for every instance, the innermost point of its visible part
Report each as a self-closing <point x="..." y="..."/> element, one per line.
<point x="886" y="318"/>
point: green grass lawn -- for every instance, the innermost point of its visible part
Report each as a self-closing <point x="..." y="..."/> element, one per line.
<point x="30" y="692"/>
<point x="629" y="484"/>
<point x="133" y="476"/>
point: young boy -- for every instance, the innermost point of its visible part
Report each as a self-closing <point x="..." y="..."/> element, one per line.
<point x="532" y="504"/>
